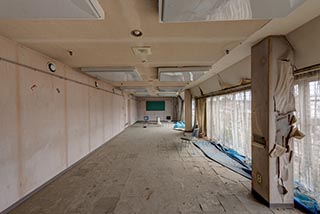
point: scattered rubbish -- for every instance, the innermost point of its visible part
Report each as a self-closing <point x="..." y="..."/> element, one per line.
<point x="277" y="151"/>
<point x="295" y="133"/>
<point x="303" y="198"/>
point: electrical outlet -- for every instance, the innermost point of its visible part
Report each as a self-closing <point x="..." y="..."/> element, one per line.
<point x="259" y="178"/>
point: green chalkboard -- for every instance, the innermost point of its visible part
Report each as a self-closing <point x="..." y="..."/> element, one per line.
<point x="156" y="105"/>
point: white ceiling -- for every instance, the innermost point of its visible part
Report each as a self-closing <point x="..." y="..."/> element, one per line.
<point x="108" y="42"/>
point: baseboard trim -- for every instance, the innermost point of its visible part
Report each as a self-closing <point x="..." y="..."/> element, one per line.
<point x="51" y="180"/>
<point x="268" y="204"/>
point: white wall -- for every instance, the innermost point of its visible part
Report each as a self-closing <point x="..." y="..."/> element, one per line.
<point x="231" y="76"/>
<point x="153" y="114"/>
<point x="305" y="40"/>
<point x="49" y="123"/>
<point x="133" y="111"/>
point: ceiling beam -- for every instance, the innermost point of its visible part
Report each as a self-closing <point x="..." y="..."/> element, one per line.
<point x="281" y="26"/>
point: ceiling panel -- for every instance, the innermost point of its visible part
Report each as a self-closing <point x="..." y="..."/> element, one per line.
<point x="108" y="42"/>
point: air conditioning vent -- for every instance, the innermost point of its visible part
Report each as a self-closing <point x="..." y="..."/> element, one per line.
<point x="51" y="9"/>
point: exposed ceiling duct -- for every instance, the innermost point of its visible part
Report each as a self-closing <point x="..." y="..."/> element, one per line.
<point x="113" y="74"/>
<point x="183" y="74"/>
<point x="218" y="10"/>
<point x="51" y="9"/>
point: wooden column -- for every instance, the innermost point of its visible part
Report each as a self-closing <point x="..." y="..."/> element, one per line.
<point x="268" y="58"/>
<point x="188" y="110"/>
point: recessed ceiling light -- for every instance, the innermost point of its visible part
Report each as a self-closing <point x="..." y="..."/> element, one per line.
<point x="136" y="33"/>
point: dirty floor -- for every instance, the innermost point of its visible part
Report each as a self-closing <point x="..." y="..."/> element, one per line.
<point x="146" y="171"/>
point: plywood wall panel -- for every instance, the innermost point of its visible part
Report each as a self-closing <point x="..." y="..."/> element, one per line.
<point x="77" y="122"/>
<point x="42" y="128"/>
<point x="48" y="123"/>
<point x="9" y="145"/>
<point x="107" y="114"/>
<point x="96" y="118"/>
<point x="116" y="114"/>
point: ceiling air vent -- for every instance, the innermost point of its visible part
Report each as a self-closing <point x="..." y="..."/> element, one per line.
<point x="217" y="10"/>
<point x="113" y="74"/>
<point x="51" y="9"/>
<point x="181" y="74"/>
<point x="141" y="51"/>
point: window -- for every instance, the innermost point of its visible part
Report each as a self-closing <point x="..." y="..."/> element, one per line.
<point x="229" y="121"/>
<point x="307" y="150"/>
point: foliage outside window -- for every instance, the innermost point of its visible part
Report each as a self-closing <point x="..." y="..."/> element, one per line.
<point x="307" y="150"/>
<point x="229" y="121"/>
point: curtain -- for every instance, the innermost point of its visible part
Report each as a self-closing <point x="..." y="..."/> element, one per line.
<point x="307" y="150"/>
<point x="201" y="115"/>
<point x="229" y="121"/>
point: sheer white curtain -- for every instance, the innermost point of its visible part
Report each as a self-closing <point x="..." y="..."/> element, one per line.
<point x="229" y="121"/>
<point x="307" y="151"/>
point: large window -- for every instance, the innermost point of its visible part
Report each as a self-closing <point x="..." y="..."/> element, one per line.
<point x="307" y="151"/>
<point x="229" y="121"/>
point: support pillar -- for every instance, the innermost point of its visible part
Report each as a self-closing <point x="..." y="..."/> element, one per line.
<point x="188" y="110"/>
<point x="272" y="107"/>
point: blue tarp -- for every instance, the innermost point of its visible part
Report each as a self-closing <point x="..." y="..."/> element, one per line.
<point x="217" y="153"/>
<point x="237" y="163"/>
<point x="303" y="201"/>
<point x="179" y="125"/>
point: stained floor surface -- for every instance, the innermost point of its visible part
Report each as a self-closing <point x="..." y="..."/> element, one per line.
<point x="146" y="171"/>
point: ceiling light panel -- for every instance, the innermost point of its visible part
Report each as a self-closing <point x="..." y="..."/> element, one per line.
<point x="142" y="94"/>
<point x="114" y="74"/>
<point x="184" y="74"/>
<point x="218" y="10"/>
<point x="134" y="89"/>
<point x="170" y="89"/>
<point x="167" y="94"/>
<point x="51" y="9"/>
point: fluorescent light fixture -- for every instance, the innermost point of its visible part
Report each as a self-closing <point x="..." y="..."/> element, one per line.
<point x="167" y="94"/>
<point x="113" y="74"/>
<point x="170" y="89"/>
<point x="183" y="74"/>
<point x="218" y="10"/>
<point x="134" y="89"/>
<point x="142" y="94"/>
<point x="51" y="9"/>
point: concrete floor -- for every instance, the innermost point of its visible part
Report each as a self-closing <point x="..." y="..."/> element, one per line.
<point x="144" y="171"/>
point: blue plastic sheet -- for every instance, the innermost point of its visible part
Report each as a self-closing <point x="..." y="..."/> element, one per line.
<point x="303" y="201"/>
<point x="216" y="153"/>
<point x="237" y="163"/>
<point x="179" y="125"/>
